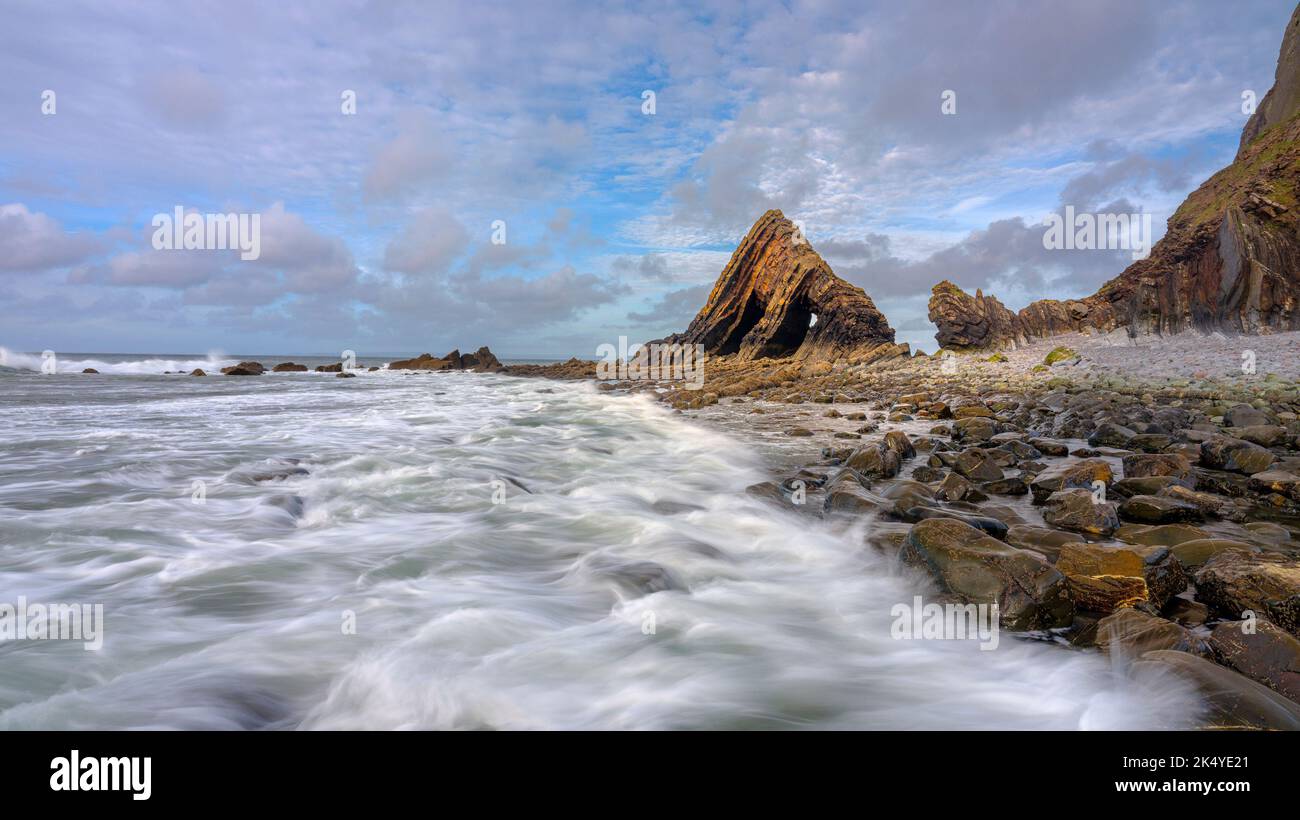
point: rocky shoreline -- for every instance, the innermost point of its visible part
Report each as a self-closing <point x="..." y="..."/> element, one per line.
<point x="1130" y="510"/>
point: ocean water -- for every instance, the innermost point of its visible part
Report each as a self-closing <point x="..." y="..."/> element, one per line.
<point x="463" y="551"/>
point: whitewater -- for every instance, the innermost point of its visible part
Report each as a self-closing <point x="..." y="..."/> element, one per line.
<point x="463" y="551"/>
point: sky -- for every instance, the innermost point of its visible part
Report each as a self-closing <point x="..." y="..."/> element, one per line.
<point x="502" y="178"/>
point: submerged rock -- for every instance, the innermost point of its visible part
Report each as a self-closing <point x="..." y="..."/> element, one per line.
<point x="1233" y="700"/>
<point x="1131" y="633"/>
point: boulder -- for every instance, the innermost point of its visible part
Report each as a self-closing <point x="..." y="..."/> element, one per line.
<point x="1141" y="465"/>
<point x="977" y="464"/>
<point x="1265" y="435"/>
<point x="1193" y="554"/>
<point x="1146" y="485"/>
<point x="1154" y="509"/>
<point x="425" y="361"/>
<point x="1081" y="475"/>
<point x="289" y="367"/>
<point x="1243" y="415"/>
<point x="956" y="488"/>
<point x="980" y="569"/>
<point x="1235" y="455"/>
<point x="1104" y="578"/>
<point x="1162" y="535"/>
<point x="1266" y="583"/>
<point x="1041" y="539"/>
<point x="1078" y="511"/>
<point x="975" y="429"/>
<point x="1232" y="700"/>
<point x="483" y="361"/>
<point x="1261" y="652"/>
<point x="1013" y="485"/>
<point x="1110" y="434"/>
<point x="244" y="369"/>
<point x="1281" y="482"/>
<point x="875" y="460"/>
<point x="898" y="441"/>
<point x="1131" y="633"/>
<point x="1211" y="504"/>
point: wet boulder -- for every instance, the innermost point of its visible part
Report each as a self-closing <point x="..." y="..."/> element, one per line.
<point x="1130" y="633"/>
<point x="898" y="441"/>
<point x="1235" y="455"/>
<point x="1082" y="475"/>
<point x="1233" y="700"/>
<point x="1210" y="504"/>
<point x="1111" y="434"/>
<point x="1265" y="435"/>
<point x="1041" y="539"/>
<point x="1154" y="509"/>
<point x="244" y="369"/>
<point x="1160" y="535"/>
<point x="1079" y="511"/>
<point x="974" y="429"/>
<point x="876" y="460"/>
<point x="978" y="464"/>
<point x="1281" y="482"/>
<point x="955" y="487"/>
<point x="1260" y="651"/>
<point x="980" y="569"/>
<point x="1266" y="583"/>
<point x="1196" y="552"/>
<point x="1103" y="578"/>
<point x="1143" y="465"/>
<point x="1243" y="415"/>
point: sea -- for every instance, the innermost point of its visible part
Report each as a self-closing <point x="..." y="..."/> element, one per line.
<point x="462" y="551"/>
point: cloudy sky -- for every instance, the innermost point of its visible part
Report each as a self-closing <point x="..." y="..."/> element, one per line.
<point x="377" y="227"/>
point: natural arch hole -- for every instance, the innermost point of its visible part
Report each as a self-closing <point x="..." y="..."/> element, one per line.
<point x="813" y="321"/>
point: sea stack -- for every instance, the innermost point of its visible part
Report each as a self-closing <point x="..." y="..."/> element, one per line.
<point x="778" y="298"/>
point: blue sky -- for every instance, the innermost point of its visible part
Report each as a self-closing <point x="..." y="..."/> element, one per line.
<point x="377" y="226"/>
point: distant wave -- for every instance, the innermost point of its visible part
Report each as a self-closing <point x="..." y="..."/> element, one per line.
<point x="13" y="362"/>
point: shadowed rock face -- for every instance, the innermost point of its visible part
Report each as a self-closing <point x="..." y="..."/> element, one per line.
<point x="1229" y="260"/>
<point x="763" y="304"/>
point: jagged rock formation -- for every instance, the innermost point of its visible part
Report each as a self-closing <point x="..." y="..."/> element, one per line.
<point x="764" y="303"/>
<point x="482" y="360"/>
<point x="981" y="322"/>
<point x="1229" y="260"/>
